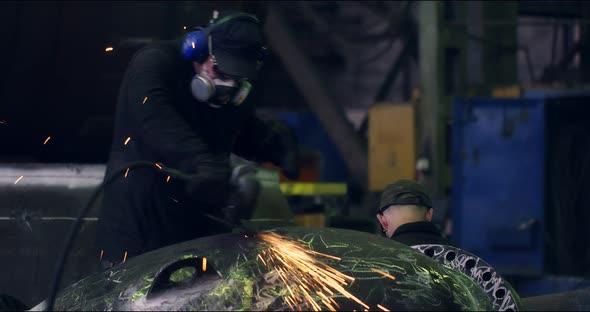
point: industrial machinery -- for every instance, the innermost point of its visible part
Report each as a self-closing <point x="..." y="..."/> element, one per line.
<point x="291" y="268"/>
<point x="519" y="186"/>
<point x="288" y="268"/>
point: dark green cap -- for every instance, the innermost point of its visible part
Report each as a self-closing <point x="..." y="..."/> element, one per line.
<point x="404" y="192"/>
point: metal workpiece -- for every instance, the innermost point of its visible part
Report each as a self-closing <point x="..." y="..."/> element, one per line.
<point x="271" y="208"/>
<point x="40" y="202"/>
<point x="290" y="268"/>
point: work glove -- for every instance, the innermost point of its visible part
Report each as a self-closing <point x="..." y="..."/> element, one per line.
<point x="281" y="148"/>
<point x="244" y="189"/>
<point x="210" y="183"/>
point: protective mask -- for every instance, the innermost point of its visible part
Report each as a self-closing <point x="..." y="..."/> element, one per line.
<point x="218" y="93"/>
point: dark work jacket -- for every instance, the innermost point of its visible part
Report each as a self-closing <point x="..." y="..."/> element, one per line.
<point x="419" y="233"/>
<point x="155" y="108"/>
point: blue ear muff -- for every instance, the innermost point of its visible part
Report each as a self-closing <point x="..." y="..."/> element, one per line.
<point x="195" y="47"/>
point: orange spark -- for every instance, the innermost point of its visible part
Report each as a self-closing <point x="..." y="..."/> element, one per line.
<point x="158" y="165"/>
<point x="193" y="43"/>
<point x="326" y="301"/>
<point x="334" y="302"/>
<point x="126" y="172"/>
<point x="108" y="49"/>
<point x="125" y="257"/>
<point x="145" y="100"/>
<point x="167" y="179"/>
<point x="259" y="257"/>
<point x="328" y="290"/>
<point x="382" y="308"/>
<point x="383" y="273"/>
<point x="204" y="264"/>
<point x="127" y="141"/>
<point x="47" y="140"/>
<point x="325" y="255"/>
<point x="290" y="303"/>
<point x="183" y="27"/>
<point x="297" y="265"/>
<point x="19" y="178"/>
<point x="101" y="252"/>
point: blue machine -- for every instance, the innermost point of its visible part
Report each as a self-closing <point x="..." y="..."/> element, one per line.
<point x="516" y="197"/>
<point x="498" y="181"/>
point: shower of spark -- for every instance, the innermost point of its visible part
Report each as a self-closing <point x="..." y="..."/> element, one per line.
<point x="303" y="275"/>
<point x="383" y="273"/>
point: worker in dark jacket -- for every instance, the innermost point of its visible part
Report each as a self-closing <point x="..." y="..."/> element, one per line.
<point x="181" y="104"/>
<point x="405" y="214"/>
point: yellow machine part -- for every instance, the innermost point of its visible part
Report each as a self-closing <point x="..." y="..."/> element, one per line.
<point x="392" y="144"/>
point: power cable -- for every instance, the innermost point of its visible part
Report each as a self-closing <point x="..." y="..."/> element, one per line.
<point x="94" y="196"/>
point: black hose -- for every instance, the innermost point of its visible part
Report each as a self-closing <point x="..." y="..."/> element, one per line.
<point x="77" y="224"/>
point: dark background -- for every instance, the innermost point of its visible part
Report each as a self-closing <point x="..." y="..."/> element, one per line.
<point x="58" y="81"/>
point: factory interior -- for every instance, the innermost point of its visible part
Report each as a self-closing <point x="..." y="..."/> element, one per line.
<point x="481" y="102"/>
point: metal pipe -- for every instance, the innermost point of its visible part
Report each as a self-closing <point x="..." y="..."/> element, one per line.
<point x="69" y="176"/>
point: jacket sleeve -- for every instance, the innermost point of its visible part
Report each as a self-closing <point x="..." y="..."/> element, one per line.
<point x="252" y="138"/>
<point x="159" y="125"/>
<point x="271" y="142"/>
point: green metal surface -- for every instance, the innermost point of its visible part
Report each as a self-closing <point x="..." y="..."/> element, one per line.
<point x="239" y="280"/>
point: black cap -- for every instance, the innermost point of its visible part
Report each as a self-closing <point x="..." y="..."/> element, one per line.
<point x="238" y="44"/>
<point x="404" y="192"/>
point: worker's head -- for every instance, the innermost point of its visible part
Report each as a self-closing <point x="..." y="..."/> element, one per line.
<point x="403" y="202"/>
<point x="227" y="56"/>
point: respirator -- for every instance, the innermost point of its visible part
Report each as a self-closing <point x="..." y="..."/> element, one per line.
<point x="218" y="93"/>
